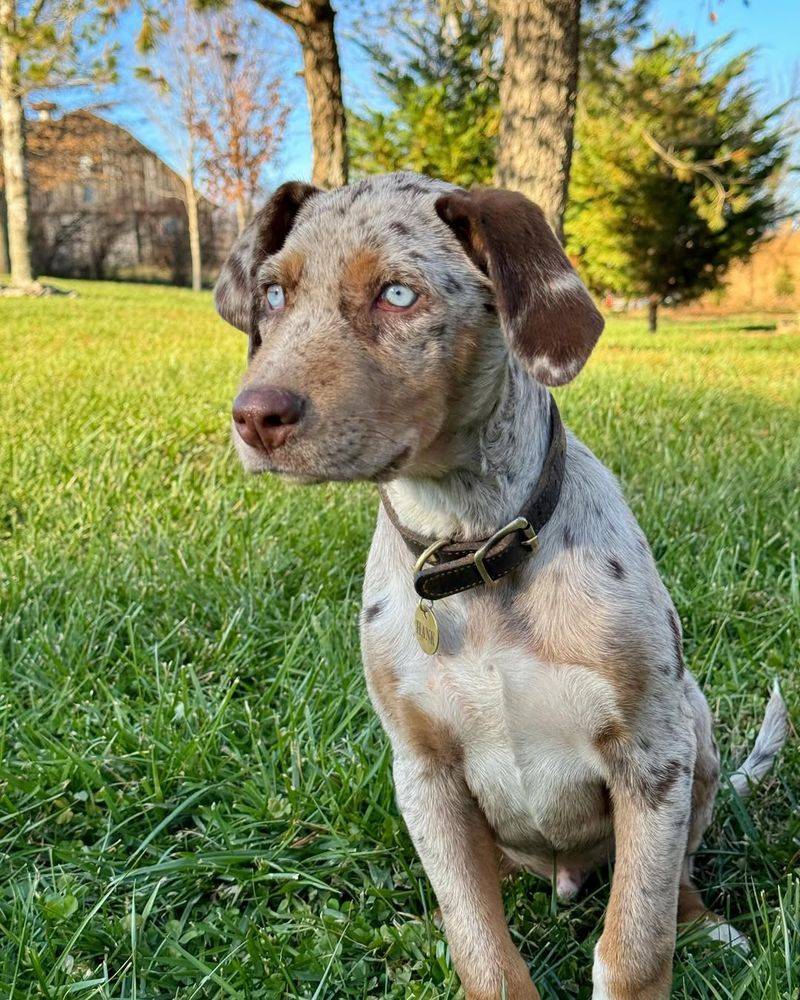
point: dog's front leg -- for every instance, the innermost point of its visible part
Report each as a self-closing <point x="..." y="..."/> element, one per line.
<point x="457" y="849"/>
<point x="633" y="958"/>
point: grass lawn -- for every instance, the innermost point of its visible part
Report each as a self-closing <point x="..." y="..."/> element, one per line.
<point x="195" y="797"/>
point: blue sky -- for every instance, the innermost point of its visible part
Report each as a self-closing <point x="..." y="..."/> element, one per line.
<point x="772" y="26"/>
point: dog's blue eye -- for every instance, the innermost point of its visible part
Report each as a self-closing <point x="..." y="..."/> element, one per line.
<point x="398" y="296"/>
<point x="275" y="296"/>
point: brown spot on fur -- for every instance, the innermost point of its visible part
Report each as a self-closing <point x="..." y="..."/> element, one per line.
<point x="657" y="788"/>
<point x="616" y="663"/>
<point x="359" y="285"/>
<point x="465" y="349"/>
<point x="291" y="269"/>
<point x="361" y="273"/>
<point x="430" y="738"/>
<point x="597" y="637"/>
<point x="611" y="735"/>
<point x="628" y="681"/>
<point x="383" y="684"/>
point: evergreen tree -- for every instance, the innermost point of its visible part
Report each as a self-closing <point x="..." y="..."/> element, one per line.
<point x="675" y="173"/>
<point x="440" y="77"/>
<point x="441" y="84"/>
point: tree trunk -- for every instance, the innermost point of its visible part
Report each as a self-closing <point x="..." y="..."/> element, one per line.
<point x="312" y="22"/>
<point x="537" y="97"/>
<point x="241" y="215"/>
<point x="194" y="233"/>
<point x="652" y="313"/>
<point x="16" y="178"/>
<point x="4" y="262"/>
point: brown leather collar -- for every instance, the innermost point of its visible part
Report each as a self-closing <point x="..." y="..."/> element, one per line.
<point x="447" y="567"/>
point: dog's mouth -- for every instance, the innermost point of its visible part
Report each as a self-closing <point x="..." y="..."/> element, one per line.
<point x="310" y="477"/>
<point x="304" y="471"/>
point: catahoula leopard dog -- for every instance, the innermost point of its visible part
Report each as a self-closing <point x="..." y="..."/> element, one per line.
<point x="519" y="646"/>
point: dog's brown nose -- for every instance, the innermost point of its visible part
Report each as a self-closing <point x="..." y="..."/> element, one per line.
<point x="265" y="417"/>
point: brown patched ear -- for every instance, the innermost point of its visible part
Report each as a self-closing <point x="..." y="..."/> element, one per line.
<point x="235" y="294"/>
<point x="547" y="314"/>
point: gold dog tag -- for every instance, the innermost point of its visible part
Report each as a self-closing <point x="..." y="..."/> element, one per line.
<point x="426" y="628"/>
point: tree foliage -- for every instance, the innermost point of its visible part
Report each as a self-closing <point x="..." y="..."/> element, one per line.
<point x="62" y="43"/>
<point x="242" y="113"/>
<point x="440" y="79"/>
<point x="438" y="65"/>
<point x="312" y="22"/>
<point x="44" y="45"/>
<point x="675" y="172"/>
<point x="220" y="102"/>
<point x="173" y="68"/>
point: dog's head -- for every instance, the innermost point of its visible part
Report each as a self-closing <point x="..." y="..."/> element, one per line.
<point x="380" y="317"/>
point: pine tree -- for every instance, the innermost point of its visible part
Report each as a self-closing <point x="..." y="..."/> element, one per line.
<point x="441" y="76"/>
<point x="442" y="86"/>
<point x="675" y="173"/>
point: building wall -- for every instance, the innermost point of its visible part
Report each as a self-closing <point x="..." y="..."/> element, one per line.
<point x="103" y="205"/>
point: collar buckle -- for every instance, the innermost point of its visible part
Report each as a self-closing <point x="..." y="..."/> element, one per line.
<point x="429" y="553"/>
<point x="518" y="524"/>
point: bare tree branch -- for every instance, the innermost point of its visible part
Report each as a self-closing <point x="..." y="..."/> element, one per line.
<point x="35" y="11"/>
<point x="702" y="167"/>
<point x="287" y="12"/>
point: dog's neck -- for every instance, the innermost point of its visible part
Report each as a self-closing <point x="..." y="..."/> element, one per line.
<point x="497" y="460"/>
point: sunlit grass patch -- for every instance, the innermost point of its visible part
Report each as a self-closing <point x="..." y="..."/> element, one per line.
<point x="195" y="799"/>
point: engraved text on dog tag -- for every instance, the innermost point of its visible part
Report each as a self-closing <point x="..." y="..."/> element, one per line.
<point x="426" y="628"/>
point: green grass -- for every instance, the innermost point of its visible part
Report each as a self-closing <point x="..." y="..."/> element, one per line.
<point x="195" y="797"/>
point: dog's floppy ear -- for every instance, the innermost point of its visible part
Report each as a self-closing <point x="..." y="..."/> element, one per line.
<point x="547" y="314"/>
<point x="235" y="294"/>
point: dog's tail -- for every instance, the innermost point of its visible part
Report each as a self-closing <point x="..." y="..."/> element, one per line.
<point x="770" y="739"/>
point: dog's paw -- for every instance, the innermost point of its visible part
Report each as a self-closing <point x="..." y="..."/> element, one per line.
<point x="719" y="930"/>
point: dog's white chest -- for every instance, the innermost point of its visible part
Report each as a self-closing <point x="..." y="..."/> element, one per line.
<point x="525" y="728"/>
<point x="526" y="731"/>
